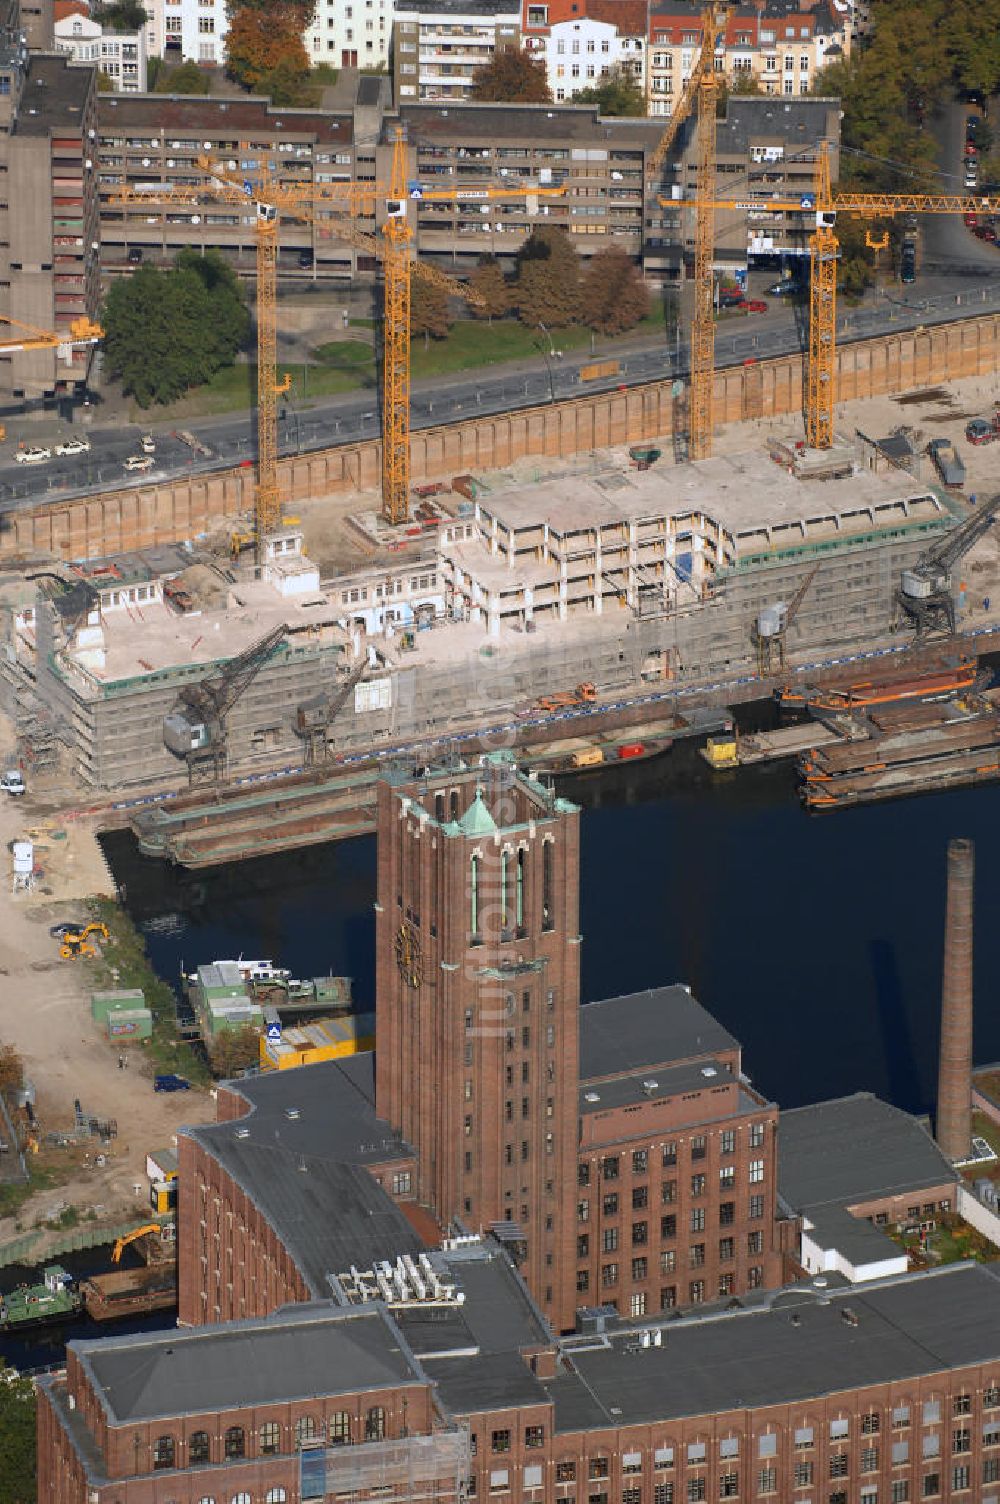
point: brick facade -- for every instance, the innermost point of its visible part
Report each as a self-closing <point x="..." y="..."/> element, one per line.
<point x="478" y="989"/>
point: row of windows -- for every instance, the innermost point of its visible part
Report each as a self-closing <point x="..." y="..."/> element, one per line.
<point x="638" y="1302"/>
<point x="610" y="1165"/>
<point x="668" y="1223"/>
<point x="307" y="1431"/>
<point x="696" y="1251"/>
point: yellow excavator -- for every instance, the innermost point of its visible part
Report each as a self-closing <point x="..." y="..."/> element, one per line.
<point x="78" y="942"/>
<point x="132" y="1237"/>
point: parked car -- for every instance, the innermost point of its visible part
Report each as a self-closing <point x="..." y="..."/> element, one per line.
<point x="135" y="255"/>
<point x="971" y="220"/>
<point x="788" y="288"/>
<point x="982" y="431"/>
<point x="68" y="927"/>
<point x="11" y="782"/>
<point x="305" y="260"/>
<point x="139" y="462"/>
<point x="985" y="232"/>
<point x="74" y="446"/>
<point x="756" y="305"/>
<point x="730" y="299"/>
<point x="32" y="455"/>
<point x="971" y="127"/>
<point x="971" y="175"/>
<point x="147" y="444"/>
<point x="171" y="1083"/>
<point x="908" y="262"/>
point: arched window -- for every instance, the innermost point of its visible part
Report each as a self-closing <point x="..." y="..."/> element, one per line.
<point x="241" y="1498"/>
<point x="236" y="1443"/>
<point x="339" y="1429"/>
<point x="206" y="1499"/>
<point x="519" y="891"/>
<point x="198" y="1448"/>
<point x="275" y="1496"/>
<point x="474" y="897"/>
<point x="163" y="1451"/>
<point x="454" y="804"/>
<point x="305" y="1430"/>
<point x="548" y="887"/>
<point x="375" y="1424"/>
<point x="439" y="808"/>
<point x="270" y="1436"/>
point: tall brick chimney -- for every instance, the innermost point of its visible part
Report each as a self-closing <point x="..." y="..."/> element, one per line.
<point x="954" y="1108"/>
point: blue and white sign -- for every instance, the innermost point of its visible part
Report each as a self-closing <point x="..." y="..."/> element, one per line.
<point x="274" y="1032"/>
<point x="807" y="201"/>
<point x="415" y="190"/>
<point x="248" y="187"/>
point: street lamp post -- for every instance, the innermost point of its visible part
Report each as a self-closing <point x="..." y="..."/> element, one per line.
<point x="549" y="355"/>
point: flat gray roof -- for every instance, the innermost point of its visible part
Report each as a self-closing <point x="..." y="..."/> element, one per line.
<point x="660" y="1027"/>
<point x="301" y="1155"/>
<point x="498" y="1314"/>
<point x="855" y="1149"/>
<point x="744" y="493"/>
<point x="675" y="1080"/>
<point x="804" y="1346"/>
<point x="54" y="98"/>
<point x="297" y="1353"/>
<point x="467" y="1385"/>
<point x="856" y="1238"/>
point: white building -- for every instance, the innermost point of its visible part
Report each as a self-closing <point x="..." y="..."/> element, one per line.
<point x="350" y="33"/>
<point x="121" y="55"/>
<point x="580" y="54"/>
<point x="187" y="30"/>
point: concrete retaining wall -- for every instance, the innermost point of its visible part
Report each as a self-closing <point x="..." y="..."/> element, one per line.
<point x="115" y="521"/>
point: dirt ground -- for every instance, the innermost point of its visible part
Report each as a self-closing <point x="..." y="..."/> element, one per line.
<point x="46" y="1015"/>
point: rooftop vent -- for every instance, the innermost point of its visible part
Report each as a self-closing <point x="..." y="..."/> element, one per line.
<point x="709" y="1070"/>
<point x="591" y="1096"/>
<point x="243" y="1133"/>
<point x="848" y="1316"/>
<point x="292" y="1113"/>
<point x="649" y="1087"/>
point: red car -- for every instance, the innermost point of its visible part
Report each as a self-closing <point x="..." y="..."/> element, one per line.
<point x="756" y="305"/>
<point x="971" y="220"/>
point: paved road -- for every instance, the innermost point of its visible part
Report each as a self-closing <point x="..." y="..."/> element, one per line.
<point x="947" y="241"/>
<point x="960" y="277"/>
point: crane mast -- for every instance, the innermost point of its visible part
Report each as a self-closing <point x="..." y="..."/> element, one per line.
<point x="924" y="593"/>
<point x="396" y="345"/>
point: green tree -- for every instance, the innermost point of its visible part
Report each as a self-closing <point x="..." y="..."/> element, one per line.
<point x="430" y="314"/>
<point x="17" y="1438"/>
<point x="615" y="298"/>
<point x="186" y="78"/>
<point x="105" y="83"/>
<point x="265" y="39"/>
<point x="121" y="15"/>
<point x="547" y="290"/>
<point x="618" y="94"/>
<point x="491" y="285"/>
<point x="166" y="332"/>
<point x="512" y="77"/>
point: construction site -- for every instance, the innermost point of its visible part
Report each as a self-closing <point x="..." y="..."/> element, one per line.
<point x="640" y="558"/>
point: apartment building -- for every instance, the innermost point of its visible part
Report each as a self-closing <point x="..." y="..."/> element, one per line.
<point x="148" y="141"/>
<point x="439" y="44"/>
<point x="782" y="47"/>
<point x="353" y="35"/>
<point x="121" y="56"/>
<point x="48" y="220"/>
<point x="187" y="30"/>
<point x="582" y="41"/>
<point x="600" y="165"/>
<point x="766" y="149"/>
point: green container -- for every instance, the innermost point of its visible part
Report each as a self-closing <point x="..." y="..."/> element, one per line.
<point x="130" y="1023"/>
<point x="104" y="1003"/>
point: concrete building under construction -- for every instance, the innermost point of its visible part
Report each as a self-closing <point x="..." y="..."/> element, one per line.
<point x="603" y="573"/>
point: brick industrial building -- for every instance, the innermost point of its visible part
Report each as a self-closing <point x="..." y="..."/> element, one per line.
<point x="890" y="1393"/>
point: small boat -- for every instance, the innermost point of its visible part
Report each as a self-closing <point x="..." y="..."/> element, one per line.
<point x="596" y="757"/>
<point x="55" y="1299"/>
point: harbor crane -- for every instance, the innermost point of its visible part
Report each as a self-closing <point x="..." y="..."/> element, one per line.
<point x="196" y="729"/>
<point x="823" y="204"/>
<point x="925" y="589"/>
<point x="770" y="630"/>
<point x="314" y="716"/>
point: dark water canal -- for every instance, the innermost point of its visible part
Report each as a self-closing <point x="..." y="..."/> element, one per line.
<point x="816" y="940"/>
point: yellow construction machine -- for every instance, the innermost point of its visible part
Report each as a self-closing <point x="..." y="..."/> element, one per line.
<point x="132" y="1237"/>
<point x="78" y="942"/>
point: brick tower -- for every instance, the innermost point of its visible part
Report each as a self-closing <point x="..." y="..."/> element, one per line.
<point x="954" y="1114"/>
<point x="477" y="999"/>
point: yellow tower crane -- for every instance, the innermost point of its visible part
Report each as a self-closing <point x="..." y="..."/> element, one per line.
<point x="824" y="205"/>
<point x="702" y="89"/>
<point x="269" y="206"/>
<point x="82" y="331"/>
<point x="398" y="265"/>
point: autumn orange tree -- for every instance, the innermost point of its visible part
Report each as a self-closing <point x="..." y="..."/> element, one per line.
<point x="264" y="45"/>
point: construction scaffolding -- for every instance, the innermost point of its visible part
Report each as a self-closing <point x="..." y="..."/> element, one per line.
<point x="407" y="1471"/>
